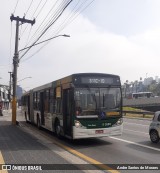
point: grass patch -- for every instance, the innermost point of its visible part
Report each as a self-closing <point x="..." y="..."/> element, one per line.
<point x="134" y="115"/>
<point x="138" y="116"/>
<point x="131" y="109"/>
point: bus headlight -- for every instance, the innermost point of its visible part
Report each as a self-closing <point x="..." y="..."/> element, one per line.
<point x="77" y="123"/>
<point x="119" y="122"/>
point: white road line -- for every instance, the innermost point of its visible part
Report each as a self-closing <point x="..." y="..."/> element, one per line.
<point x="141" y="145"/>
<point x="135" y="124"/>
<point x="135" y="131"/>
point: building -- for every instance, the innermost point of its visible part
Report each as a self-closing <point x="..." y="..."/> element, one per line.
<point x="148" y="81"/>
<point x="4" y="96"/>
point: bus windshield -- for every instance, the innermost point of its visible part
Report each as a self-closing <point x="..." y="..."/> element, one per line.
<point x="89" y="101"/>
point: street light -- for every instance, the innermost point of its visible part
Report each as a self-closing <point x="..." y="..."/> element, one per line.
<point x="16" y="60"/>
<point x="24" y="78"/>
<point x="64" y="35"/>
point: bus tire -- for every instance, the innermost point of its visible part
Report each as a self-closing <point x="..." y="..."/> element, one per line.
<point x="58" y="129"/>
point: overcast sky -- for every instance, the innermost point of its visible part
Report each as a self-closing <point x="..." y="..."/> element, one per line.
<point x="119" y="37"/>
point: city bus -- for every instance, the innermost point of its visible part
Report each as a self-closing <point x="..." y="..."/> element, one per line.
<point x="142" y="95"/>
<point x="84" y="105"/>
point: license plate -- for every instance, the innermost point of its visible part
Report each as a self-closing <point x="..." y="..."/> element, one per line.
<point x="99" y="131"/>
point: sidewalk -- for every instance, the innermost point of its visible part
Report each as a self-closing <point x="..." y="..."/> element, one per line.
<point x="20" y="147"/>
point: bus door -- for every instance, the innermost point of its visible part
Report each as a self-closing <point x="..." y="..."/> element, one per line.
<point x="31" y="107"/>
<point x="28" y="107"/>
<point x="42" y="107"/>
<point x="67" y="111"/>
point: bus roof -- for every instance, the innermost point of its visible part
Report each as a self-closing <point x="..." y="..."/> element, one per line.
<point x="96" y="79"/>
<point x="75" y="78"/>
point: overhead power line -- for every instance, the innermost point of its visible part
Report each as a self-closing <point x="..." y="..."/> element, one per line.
<point x="41" y="9"/>
<point x="76" y="13"/>
<point x="28" y="8"/>
<point x="47" y="27"/>
<point x="43" y="45"/>
<point x="15" y="6"/>
<point x="64" y="35"/>
<point x="33" y="16"/>
<point x="51" y="18"/>
<point x="45" y="18"/>
<point x="78" y="8"/>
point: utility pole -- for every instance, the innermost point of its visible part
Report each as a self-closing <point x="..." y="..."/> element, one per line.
<point x="15" y="63"/>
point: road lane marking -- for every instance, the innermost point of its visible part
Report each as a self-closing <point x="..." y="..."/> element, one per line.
<point x="141" y="145"/>
<point x="88" y="159"/>
<point x="102" y="166"/>
<point x="136" y="131"/>
<point x="2" y="162"/>
<point x="135" y="124"/>
<point x="83" y="156"/>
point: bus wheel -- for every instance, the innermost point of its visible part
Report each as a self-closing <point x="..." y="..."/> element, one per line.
<point x="58" y="129"/>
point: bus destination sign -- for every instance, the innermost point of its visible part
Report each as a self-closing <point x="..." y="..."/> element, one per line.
<point x="97" y="80"/>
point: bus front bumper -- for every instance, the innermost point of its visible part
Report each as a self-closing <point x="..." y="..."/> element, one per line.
<point x="79" y="133"/>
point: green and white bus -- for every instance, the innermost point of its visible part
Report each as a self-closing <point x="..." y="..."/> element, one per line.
<point x="84" y="105"/>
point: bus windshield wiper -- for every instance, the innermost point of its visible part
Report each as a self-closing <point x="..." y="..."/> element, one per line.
<point x="114" y="109"/>
<point x="110" y="109"/>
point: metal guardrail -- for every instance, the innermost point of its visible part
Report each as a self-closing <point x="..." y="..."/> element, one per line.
<point x="141" y="102"/>
<point x="139" y="112"/>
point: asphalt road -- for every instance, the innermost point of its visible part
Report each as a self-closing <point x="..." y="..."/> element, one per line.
<point x="133" y="147"/>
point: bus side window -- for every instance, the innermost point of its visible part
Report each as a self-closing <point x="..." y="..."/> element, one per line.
<point x="54" y="106"/>
<point x="58" y="106"/>
<point x="45" y="101"/>
<point x="38" y="100"/>
<point x="52" y="101"/>
<point x="35" y="101"/>
<point x="58" y="100"/>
